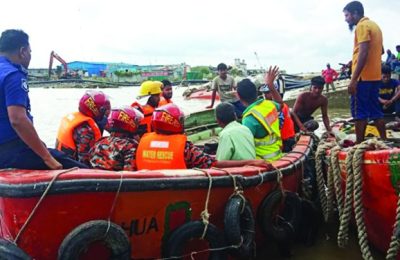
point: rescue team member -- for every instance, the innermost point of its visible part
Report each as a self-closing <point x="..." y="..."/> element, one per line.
<point x="166" y="94"/>
<point x="168" y="147"/>
<point x="151" y="90"/>
<point x="287" y="130"/>
<point x="80" y="130"/>
<point x="117" y="152"/>
<point x="261" y="117"/>
<point x="20" y="145"/>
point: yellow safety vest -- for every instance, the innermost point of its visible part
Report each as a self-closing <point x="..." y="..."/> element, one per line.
<point x="269" y="146"/>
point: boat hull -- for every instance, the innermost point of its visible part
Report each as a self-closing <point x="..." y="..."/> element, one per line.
<point x="148" y="205"/>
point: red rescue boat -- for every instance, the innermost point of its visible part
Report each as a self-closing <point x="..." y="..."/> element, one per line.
<point x="92" y="214"/>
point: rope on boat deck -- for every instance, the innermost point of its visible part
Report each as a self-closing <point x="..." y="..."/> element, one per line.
<point x="337" y="178"/>
<point x="205" y="215"/>
<point x="329" y="188"/>
<point x="114" y="203"/>
<point x="40" y="201"/>
<point x="372" y="144"/>
<point x="394" y="241"/>
<point x="193" y="253"/>
<point x="343" y="234"/>
<point x="259" y="174"/>
<point x="319" y="156"/>
<point x="237" y="189"/>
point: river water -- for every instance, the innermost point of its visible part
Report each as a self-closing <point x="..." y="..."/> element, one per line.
<point x="49" y="105"/>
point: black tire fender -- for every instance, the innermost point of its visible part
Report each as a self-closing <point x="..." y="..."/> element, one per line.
<point x="113" y="236"/>
<point x="239" y="225"/>
<point x="10" y="251"/>
<point x="194" y="229"/>
<point x="285" y="228"/>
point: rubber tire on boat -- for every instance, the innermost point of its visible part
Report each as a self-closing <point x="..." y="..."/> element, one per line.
<point x="8" y="250"/>
<point x="287" y="228"/>
<point x="85" y="234"/>
<point x="194" y="229"/>
<point x="240" y="226"/>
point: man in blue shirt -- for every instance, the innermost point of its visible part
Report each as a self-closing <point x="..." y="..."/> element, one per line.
<point x="20" y="145"/>
<point x="389" y="92"/>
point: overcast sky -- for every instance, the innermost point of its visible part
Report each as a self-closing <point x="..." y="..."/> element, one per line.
<point x="299" y="36"/>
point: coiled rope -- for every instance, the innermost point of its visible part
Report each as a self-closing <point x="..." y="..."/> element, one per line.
<point x="394" y="241"/>
<point x="337" y="177"/>
<point x="205" y="215"/>
<point x="371" y="144"/>
<point x="319" y="156"/>
<point x="343" y="236"/>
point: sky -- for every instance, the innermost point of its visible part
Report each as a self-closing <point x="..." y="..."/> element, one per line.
<point x="297" y="35"/>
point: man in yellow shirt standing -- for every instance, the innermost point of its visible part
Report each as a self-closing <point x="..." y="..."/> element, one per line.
<point x="366" y="67"/>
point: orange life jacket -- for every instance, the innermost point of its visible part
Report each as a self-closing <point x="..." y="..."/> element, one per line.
<point x="157" y="151"/>
<point x="65" y="138"/>
<point x="164" y="101"/>
<point x="147" y="111"/>
<point x="287" y="130"/>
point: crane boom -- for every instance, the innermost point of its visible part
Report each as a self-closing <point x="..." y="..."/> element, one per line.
<point x="54" y="55"/>
<point x="258" y="60"/>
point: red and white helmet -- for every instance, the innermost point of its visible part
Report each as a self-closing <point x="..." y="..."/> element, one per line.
<point x="95" y="104"/>
<point x="125" y="119"/>
<point x="168" y="119"/>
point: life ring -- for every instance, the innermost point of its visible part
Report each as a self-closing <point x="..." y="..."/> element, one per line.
<point x="285" y="227"/>
<point x="239" y="226"/>
<point x="8" y="250"/>
<point x="112" y="235"/>
<point x="194" y="229"/>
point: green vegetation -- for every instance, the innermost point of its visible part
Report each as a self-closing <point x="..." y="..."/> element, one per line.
<point x="126" y="73"/>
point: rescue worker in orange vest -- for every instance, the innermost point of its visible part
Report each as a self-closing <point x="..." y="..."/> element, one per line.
<point x="287" y="129"/>
<point x="117" y="152"/>
<point x="166" y="94"/>
<point x="168" y="147"/>
<point x="80" y="130"/>
<point x="151" y="90"/>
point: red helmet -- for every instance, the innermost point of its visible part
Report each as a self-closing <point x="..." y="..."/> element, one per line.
<point x="125" y="119"/>
<point x="95" y="104"/>
<point x="168" y="119"/>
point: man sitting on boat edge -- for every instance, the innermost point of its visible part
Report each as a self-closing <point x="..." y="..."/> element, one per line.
<point x="235" y="141"/>
<point x="389" y="92"/>
<point x="20" y="145"/>
<point x="168" y="147"/>
<point x="306" y="104"/>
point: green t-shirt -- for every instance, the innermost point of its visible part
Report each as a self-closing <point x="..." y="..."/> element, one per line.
<point x="235" y="143"/>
